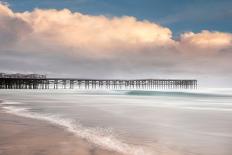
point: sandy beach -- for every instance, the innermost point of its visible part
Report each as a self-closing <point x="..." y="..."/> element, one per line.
<point x="23" y="136"/>
<point x="83" y="123"/>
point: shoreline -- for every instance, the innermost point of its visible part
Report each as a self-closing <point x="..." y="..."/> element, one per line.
<point x="26" y="136"/>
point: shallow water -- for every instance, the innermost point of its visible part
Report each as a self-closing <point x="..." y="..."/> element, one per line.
<point x="135" y="122"/>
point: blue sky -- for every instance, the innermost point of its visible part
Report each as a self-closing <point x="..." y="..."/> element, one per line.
<point x="179" y="15"/>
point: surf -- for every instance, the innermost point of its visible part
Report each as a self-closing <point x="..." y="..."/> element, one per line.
<point x="103" y="138"/>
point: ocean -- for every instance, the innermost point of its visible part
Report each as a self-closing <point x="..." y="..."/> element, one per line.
<point x="174" y="122"/>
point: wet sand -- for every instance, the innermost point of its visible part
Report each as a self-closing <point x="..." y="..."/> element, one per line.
<point x="23" y="136"/>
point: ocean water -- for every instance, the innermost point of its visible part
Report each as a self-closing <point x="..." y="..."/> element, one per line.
<point x="197" y="122"/>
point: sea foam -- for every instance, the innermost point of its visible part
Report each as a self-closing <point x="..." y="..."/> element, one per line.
<point x="92" y="135"/>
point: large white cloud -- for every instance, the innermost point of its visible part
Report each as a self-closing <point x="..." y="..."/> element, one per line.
<point x="86" y="32"/>
<point x="98" y="33"/>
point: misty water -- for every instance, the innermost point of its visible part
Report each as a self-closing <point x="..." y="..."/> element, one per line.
<point x="134" y="122"/>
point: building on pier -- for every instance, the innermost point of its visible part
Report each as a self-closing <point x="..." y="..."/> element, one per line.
<point x="26" y="76"/>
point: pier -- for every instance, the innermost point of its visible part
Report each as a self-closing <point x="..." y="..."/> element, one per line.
<point x="34" y="81"/>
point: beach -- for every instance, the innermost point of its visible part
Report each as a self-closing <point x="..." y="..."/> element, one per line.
<point x="24" y="136"/>
<point x="75" y="122"/>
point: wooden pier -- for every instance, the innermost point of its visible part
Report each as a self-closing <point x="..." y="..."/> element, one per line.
<point x="113" y="84"/>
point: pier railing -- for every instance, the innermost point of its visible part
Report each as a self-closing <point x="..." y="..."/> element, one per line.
<point x="116" y="84"/>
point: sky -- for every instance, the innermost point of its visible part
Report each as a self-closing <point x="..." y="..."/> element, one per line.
<point x="118" y="39"/>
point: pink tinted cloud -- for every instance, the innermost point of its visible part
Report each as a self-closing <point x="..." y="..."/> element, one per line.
<point x="100" y="34"/>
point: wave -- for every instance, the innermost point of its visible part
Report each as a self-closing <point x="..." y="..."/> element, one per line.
<point x="209" y="109"/>
<point x="159" y="92"/>
<point x="97" y="136"/>
<point x="10" y="103"/>
<point x="176" y="93"/>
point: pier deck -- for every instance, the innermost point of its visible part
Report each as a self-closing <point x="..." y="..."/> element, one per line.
<point x="116" y="84"/>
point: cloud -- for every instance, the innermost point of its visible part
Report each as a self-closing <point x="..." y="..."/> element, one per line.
<point x="97" y="33"/>
<point x="12" y="28"/>
<point x="77" y="30"/>
<point x="4" y="9"/>
<point x="207" y="39"/>
<point x="98" y="46"/>
<point x="205" y="44"/>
